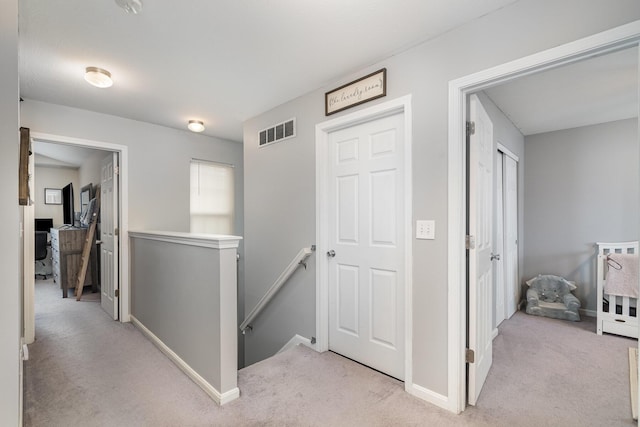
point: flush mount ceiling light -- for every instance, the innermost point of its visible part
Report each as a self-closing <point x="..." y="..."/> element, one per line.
<point x="130" y="6"/>
<point x="195" y="126"/>
<point x="98" y="77"/>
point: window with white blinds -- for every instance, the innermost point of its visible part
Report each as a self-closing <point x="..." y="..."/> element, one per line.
<point x="211" y="198"/>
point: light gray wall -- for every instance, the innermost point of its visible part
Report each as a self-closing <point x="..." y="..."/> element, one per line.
<point x="91" y="169"/>
<point x="159" y="159"/>
<point x="507" y="134"/>
<point x="280" y="180"/>
<point x="10" y="214"/>
<point x="582" y="188"/>
<point x="280" y="217"/>
<point x="177" y="295"/>
<point x="48" y="177"/>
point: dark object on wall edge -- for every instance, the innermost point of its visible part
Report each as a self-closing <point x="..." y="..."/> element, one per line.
<point x="23" y="167"/>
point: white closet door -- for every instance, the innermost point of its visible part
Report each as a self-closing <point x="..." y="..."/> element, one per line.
<point x="366" y="238"/>
<point x="511" y="234"/>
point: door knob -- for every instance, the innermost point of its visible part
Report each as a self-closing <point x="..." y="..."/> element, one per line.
<point x="331" y="253"/>
<point x="495" y="257"/>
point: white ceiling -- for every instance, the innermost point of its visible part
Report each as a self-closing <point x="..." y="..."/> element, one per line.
<point x="596" y="90"/>
<point x="219" y="61"/>
<point x="60" y="155"/>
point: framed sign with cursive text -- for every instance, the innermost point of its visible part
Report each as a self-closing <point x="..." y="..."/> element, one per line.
<point x="364" y="89"/>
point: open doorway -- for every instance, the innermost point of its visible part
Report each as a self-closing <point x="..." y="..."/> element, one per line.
<point x="622" y="37"/>
<point x="570" y="165"/>
<point x="94" y="170"/>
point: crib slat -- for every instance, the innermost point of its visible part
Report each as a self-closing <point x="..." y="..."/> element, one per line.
<point x="625" y="306"/>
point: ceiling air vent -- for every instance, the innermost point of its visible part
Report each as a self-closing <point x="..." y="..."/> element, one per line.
<point x="279" y="132"/>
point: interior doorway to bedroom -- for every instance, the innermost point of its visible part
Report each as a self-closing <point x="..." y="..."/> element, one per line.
<point x="576" y="156"/>
<point x="90" y="169"/>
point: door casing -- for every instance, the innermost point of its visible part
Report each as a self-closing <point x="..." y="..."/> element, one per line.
<point x="623" y="36"/>
<point x="123" y="277"/>
<point x="398" y="105"/>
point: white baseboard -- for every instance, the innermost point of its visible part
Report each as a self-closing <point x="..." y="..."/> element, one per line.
<point x="219" y="398"/>
<point x="297" y="340"/>
<point x="429" y="396"/>
<point x="588" y="313"/>
<point x="494" y="334"/>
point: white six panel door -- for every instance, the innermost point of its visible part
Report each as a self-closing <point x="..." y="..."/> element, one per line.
<point x="480" y="256"/>
<point x="366" y="223"/>
<point x="108" y="235"/>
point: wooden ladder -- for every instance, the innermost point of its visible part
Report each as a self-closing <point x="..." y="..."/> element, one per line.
<point x="86" y="249"/>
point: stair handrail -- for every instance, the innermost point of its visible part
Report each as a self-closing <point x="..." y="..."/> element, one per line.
<point x="281" y="280"/>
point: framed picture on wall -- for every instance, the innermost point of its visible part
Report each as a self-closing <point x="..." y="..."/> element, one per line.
<point x="365" y="89"/>
<point x="52" y="196"/>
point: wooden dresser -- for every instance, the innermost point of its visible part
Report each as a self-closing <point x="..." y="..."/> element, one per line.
<point x="66" y="255"/>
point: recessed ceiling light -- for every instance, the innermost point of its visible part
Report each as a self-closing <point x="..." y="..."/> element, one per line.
<point x="195" y="126"/>
<point x="130" y="6"/>
<point x="98" y="77"/>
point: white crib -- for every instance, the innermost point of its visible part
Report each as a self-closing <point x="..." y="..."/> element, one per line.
<point x="619" y="316"/>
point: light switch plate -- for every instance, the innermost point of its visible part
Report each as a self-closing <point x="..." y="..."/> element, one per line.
<point x="426" y="229"/>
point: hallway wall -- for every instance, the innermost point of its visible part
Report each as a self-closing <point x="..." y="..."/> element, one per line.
<point x="582" y="188"/>
<point x="54" y="177"/>
<point x="159" y="162"/>
<point x="10" y="219"/>
<point x="280" y="187"/>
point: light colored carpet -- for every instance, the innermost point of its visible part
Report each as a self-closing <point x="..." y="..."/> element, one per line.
<point x="87" y="370"/>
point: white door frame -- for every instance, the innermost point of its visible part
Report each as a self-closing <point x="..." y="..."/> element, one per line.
<point x="29" y="278"/>
<point x="122" y="150"/>
<point x="398" y="105"/>
<point x="459" y="89"/>
<point x="499" y="298"/>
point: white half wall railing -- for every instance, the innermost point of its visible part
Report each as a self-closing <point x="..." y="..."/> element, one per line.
<point x="184" y="299"/>
<point x="281" y="280"/>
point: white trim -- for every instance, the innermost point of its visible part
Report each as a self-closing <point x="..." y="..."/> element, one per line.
<point x="322" y="291"/>
<point x="408" y="249"/>
<point x="456" y="271"/>
<point x="398" y="105"/>
<point x="123" y="153"/>
<point x="213" y="241"/>
<point x="427" y="395"/>
<point x="616" y="38"/>
<point x="29" y="285"/>
<point x="295" y="341"/>
<point x="494" y="334"/>
<point x="508" y="152"/>
<point x="219" y="398"/>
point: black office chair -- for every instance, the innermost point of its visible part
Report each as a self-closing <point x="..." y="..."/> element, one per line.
<point x="41" y="253"/>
